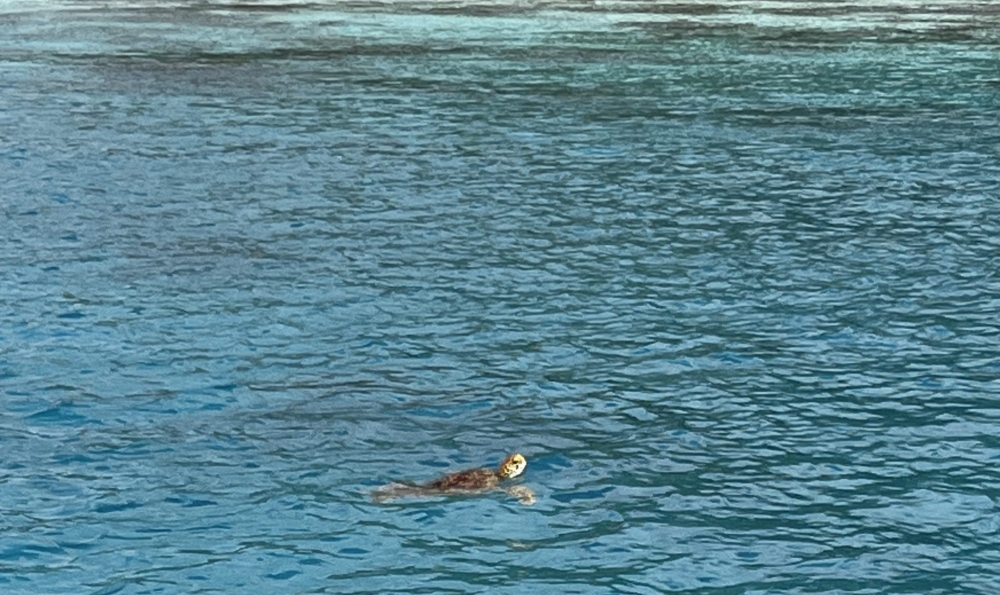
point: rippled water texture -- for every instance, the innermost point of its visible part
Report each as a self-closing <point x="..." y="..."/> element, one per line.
<point x="726" y="274"/>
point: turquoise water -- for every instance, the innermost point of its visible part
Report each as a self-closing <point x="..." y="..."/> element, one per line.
<point x="726" y="275"/>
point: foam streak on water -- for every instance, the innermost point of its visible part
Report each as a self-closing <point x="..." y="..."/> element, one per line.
<point x="725" y="273"/>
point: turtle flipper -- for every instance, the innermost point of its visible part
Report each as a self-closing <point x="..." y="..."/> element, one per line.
<point x="524" y="494"/>
<point x="394" y="490"/>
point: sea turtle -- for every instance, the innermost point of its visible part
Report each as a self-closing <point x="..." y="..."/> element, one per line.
<point x="470" y="481"/>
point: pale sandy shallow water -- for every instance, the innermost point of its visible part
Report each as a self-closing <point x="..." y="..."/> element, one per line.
<point x="726" y="276"/>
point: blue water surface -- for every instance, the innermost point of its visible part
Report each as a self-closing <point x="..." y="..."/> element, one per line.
<point x="725" y="273"/>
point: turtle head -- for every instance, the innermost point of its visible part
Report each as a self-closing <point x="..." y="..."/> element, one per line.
<point x="512" y="466"/>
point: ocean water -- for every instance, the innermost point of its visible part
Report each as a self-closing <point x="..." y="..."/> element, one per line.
<point x="727" y="274"/>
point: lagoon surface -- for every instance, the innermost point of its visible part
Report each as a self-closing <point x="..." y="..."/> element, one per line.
<point x="728" y="275"/>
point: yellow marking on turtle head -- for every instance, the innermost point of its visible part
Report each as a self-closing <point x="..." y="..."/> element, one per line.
<point x="513" y="466"/>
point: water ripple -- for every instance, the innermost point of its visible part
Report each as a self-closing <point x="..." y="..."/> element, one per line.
<point x="725" y="274"/>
